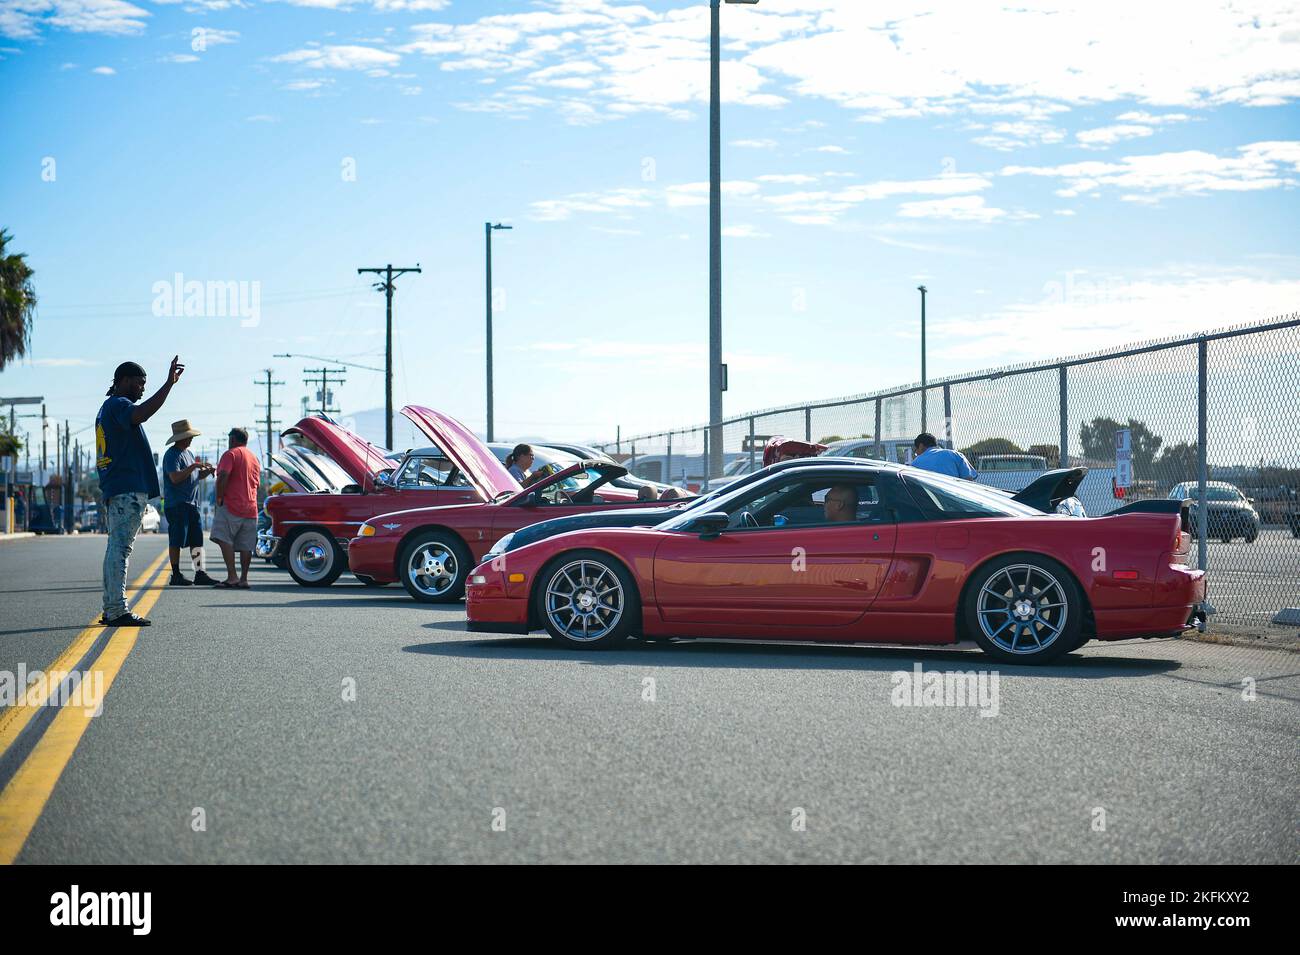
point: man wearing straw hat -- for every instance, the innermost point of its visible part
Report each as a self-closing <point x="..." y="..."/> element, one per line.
<point x="181" y="474"/>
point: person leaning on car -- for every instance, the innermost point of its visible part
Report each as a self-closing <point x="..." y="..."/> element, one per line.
<point x="127" y="477"/>
<point x="930" y="457"/>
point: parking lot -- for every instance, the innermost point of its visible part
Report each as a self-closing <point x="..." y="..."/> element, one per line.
<point x="353" y="725"/>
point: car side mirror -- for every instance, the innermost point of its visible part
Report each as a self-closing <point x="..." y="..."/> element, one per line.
<point x="529" y="500"/>
<point x="351" y="489"/>
<point x="712" y="524"/>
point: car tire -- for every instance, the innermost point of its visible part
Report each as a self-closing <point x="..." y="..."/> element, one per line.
<point x="592" y="587"/>
<point x="314" y="558"/>
<point x="444" y="563"/>
<point x="1024" y="608"/>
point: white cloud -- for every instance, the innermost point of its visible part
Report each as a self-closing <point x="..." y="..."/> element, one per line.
<point x="754" y="143"/>
<point x="1105" y="136"/>
<point x="609" y="201"/>
<point x="104" y="71"/>
<point x="956" y="209"/>
<point x="340" y="57"/>
<point x="744" y="230"/>
<point x="1263" y="165"/>
<point x="25" y="19"/>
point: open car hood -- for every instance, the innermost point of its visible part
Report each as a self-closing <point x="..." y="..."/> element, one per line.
<point x="286" y="478"/>
<point x="463" y="448"/>
<point x="607" y="470"/>
<point x="1050" y="488"/>
<point x="359" y="458"/>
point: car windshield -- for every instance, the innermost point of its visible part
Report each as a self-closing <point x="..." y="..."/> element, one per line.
<point x="1220" y="494"/>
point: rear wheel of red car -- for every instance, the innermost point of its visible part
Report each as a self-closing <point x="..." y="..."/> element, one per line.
<point x="1024" y="608"/>
<point x="433" y="567"/>
<point x="315" y="558"/>
<point x="587" y="601"/>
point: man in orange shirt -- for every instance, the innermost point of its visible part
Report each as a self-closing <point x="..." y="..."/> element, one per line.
<point x="234" y="528"/>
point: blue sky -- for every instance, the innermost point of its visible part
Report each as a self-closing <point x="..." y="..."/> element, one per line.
<point x="1063" y="179"/>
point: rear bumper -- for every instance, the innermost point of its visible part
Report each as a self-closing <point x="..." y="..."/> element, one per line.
<point x="1181" y="597"/>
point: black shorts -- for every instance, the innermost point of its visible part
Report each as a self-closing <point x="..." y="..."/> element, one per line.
<point x="184" y="529"/>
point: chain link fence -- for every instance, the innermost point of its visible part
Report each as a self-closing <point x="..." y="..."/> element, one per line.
<point x="1215" y="417"/>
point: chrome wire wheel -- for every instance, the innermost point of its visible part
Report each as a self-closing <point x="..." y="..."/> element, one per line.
<point x="584" y="600"/>
<point x="1022" y="609"/>
<point x="433" y="568"/>
<point x="312" y="556"/>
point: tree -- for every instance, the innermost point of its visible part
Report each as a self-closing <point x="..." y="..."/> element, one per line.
<point x="1098" y="441"/>
<point x="1049" y="451"/>
<point x="1178" y="462"/>
<point x="10" y="444"/>
<point x="17" y="302"/>
<point x="991" y="446"/>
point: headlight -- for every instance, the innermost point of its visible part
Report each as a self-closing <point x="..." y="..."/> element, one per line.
<point x="366" y="531"/>
<point x="500" y="546"/>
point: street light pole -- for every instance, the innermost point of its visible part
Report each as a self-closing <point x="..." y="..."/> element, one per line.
<point x="922" y="290"/>
<point x="717" y="374"/>
<point x="488" y="229"/>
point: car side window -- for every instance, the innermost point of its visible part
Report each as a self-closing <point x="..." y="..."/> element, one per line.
<point x="810" y="502"/>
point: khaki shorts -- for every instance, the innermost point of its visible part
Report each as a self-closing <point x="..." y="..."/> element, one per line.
<point x="239" y="532"/>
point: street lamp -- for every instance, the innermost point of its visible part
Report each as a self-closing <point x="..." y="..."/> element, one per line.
<point x="488" y="229"/>
<point x="717" y="374"/>
<point x="922" y="290"/>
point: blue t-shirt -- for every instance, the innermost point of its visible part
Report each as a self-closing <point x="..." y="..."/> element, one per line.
<point x="123" y="456"/>
<point x="943" y="461"/>
<point x="187" y="492"/>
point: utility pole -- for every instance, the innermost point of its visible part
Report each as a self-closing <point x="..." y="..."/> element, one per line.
<point x="488" y="229"/>
<point x="386" y="286"/>
<point x="45" y="428"/>
<point x="270" y="423"/>
<point x="324" y="395"/>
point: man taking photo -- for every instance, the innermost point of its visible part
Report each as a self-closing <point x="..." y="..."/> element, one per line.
<point x="127" y="479"/>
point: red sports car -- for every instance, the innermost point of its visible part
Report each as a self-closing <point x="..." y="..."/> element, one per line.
<point x="862" y="553"/>
<point x="310" y="531"/>
<point x="432" y="549"/>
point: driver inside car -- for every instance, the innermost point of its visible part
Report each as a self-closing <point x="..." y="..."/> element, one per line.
<point x="841" y="504"/>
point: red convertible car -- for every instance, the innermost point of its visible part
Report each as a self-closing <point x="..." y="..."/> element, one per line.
<point x="856" y="553"/>
<point x="432" y="549"/>
<point x="310" y="531"/>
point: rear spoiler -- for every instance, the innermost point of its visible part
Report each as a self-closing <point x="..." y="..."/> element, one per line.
<point x="1050" y="488"/>
<point x="1161" y="506"/>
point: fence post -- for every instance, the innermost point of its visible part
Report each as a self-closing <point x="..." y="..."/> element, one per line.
<point x="1202" y="469"/>
<point x="751" y="442"/>
<point x="807" y="423"/>
<point x="1064" y="452"/>
<point x="879" y="450"/>
<point x="668" y="465"/>
<point x="632" y="466"/>
<point x="947" y="413"/>
<point x="704" y="465"/>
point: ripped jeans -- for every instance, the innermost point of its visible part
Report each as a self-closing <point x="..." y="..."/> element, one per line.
<point x="125" y="515"/>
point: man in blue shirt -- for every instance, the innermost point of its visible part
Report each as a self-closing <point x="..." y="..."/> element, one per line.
<point x="127" y="479"/>
<point x="181" y="474"/>
<point x="930" y="457"/>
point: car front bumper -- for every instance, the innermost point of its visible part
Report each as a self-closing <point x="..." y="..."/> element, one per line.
<point x="267" y="545"/>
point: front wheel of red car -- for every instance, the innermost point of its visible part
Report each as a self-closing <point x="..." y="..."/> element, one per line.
<point x="587" y="601"/>
<point x="315" y="558"/>
<point x="434" y="566"/>
<point x="1024" y="608"/>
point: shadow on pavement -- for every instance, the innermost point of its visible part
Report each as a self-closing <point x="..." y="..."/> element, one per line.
<point x="703" y="653"/>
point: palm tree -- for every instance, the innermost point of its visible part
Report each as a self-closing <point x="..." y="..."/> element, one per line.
<point x="17" y="302"/>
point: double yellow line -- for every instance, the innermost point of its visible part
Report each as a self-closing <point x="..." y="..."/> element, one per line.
<point x="23" y="800"/>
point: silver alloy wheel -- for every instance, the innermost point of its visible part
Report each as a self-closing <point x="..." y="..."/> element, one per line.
<point x="433" y="568"/>
<point x="584" y="600"/>
<point x="312" y="555"/>
<point x="1022" y="609"/>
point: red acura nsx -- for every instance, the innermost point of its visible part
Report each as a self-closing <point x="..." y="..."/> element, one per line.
<point x="861" y="553"/>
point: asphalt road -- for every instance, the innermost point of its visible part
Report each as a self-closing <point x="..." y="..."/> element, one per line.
<point x="233" y="703"/>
